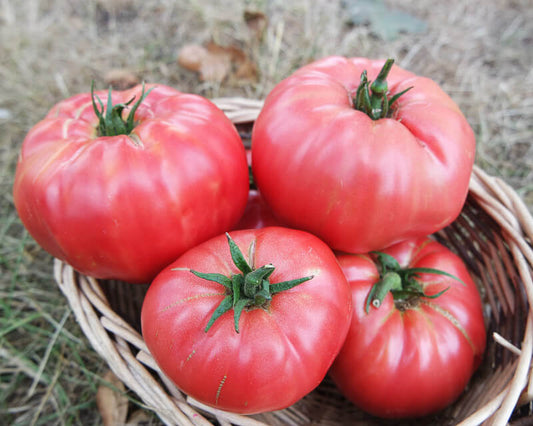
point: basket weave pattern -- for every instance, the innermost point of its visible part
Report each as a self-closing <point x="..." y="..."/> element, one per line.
<point x="494" y="237"/>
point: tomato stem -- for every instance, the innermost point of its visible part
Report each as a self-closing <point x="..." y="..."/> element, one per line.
<point x="111" y="123"/>
<point x="390" y="281"/>
<point x="250" y="289"/>
<point x="372" y="97"/>
<point x="402" y="283"/>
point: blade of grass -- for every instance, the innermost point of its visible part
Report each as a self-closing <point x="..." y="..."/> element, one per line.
<point x="48" y="394"/>
<point x="19" y="323"/>
<point x="51" y="343"/>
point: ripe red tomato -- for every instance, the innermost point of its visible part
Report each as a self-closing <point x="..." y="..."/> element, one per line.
<point x="414" y="354"/>
<point x="285" y="342"/>
<point x="360" y="183"/>
<point x="125" y="206"/>
<point x="256" y="214"/>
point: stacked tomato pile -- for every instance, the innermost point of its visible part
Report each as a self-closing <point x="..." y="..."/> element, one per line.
<point x="327" y="268"/>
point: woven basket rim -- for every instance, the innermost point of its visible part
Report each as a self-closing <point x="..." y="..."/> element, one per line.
<point x="126" y="354"/>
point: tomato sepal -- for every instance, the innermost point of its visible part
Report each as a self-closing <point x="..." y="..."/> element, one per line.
<point x="249" y="290"/>
<point x="112" y="123"/>
<point x="401" y="282"/>
<point x="372" y="97"/>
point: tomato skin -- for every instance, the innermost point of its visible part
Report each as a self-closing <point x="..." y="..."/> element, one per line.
<point x="410" y="363"/>
<point x="256" y="214"/>
<point x="125" y="206"/>
<point x="359" y="184"/>
<point x="279" y="354"/>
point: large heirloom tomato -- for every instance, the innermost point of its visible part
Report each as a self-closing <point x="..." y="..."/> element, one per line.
<point x="416" y="335"/>
<point x="125" y="205"/>
<point x="252" y="326"/>
<point x="362" y="165"/>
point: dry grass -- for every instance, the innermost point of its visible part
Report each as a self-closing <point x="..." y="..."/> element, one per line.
<point x="480" y="52"/>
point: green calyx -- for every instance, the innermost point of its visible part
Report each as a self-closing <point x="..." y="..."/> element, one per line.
<point x="250" y="289"/>
<point x="372" y="97"/>
<point x="402" y="283"/>
<point x="111" y="123"/>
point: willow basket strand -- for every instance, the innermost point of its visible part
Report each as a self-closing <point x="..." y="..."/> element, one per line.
<point x="493" y="235"/>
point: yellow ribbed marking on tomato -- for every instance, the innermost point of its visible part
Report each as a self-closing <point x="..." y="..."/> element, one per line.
<point x="190" y="355"/>
<point x="451" y="318"/>
<point x="220" y="385"/>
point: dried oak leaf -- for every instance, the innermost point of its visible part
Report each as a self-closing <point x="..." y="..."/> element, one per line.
<point x="121" y="79"/>
<point x="215" y="63"/>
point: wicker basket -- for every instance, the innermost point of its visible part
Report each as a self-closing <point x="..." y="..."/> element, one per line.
<point x="494" y="237"/>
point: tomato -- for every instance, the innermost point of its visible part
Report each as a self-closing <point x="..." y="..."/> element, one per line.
<point x="124" y="206"/>
<point x="256" y="214"/>
<point x="362" y="183"/>
<point x="415" y="353"/>
<point x="262" y="355"/>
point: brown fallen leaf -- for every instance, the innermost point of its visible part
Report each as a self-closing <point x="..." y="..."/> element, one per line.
<point x="191" y="56"/>
<point x="121" y="79"/>
<point x="216" y="63"/>
<point x="111" y="401"/>
<point x="212" y="62"/>
<point x="256" y="22"/>
<point x="247" y="70"/>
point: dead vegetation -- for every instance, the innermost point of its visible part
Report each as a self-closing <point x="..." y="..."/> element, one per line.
<point x="480" y="52"/>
